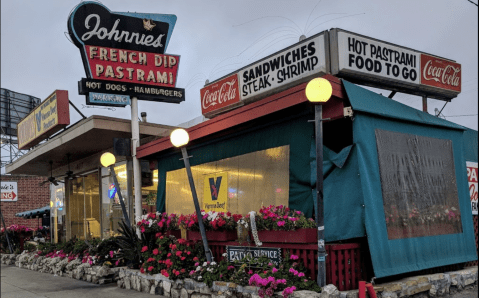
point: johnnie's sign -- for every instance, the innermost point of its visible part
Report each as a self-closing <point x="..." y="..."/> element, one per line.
<point x="126" y="50"/>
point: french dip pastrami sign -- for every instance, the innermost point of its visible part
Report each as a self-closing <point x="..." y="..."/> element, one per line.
<point x="279" y="71"/>
<point x="124" y="53"/>
<point x="380" y="64"/>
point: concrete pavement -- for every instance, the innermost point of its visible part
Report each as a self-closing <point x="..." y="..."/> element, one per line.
<point x="22" y="283"/>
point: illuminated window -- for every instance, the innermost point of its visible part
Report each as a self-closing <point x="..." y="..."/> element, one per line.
<point x="242" y="183"/>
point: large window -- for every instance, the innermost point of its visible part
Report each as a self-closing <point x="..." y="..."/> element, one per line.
<point x="84" y="207"/>
<point x="418" y="183"/>
<point x="57" y="212"/>
<point x="239" y="184"/>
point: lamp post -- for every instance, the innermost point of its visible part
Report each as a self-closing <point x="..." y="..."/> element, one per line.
<point x="319" y="91"/>
<point x="180" y="138"/>
<point x="108" y="161"/>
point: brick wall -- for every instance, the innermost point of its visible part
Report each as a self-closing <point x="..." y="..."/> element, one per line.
<point x="30" y="196"/>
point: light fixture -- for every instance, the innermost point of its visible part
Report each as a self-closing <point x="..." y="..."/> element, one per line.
<point x="319" y="90"/>
<point x="179" y="137"/>
<point x="107" y="159"/>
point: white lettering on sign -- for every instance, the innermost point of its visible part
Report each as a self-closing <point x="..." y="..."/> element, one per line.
<point x="379" y="59"/>
<point x="9" y="191"/>
<point x="130" y="37"/>
<point x="448" y="75"/>
<point x="226" y="93"/>
<point x="472" y="180"/>
<point x="305" y="59"/>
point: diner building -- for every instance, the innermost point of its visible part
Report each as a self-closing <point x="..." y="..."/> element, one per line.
<point x="84" y="204"/>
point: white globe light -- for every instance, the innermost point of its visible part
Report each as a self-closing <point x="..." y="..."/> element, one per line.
<point x="179" y="137"/>
<point x="107" y="159"/>
<point x="319" y="90"/>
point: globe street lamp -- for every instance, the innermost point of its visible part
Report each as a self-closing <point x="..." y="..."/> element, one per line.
<point x="180" y="138"/>
<point x="108" y="161"/>
<point x="319" y="91"/>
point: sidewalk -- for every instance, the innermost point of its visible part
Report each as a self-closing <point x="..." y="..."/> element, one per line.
<point x="22" y="283"/>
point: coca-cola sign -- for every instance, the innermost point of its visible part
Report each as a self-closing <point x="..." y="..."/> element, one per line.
<point x="440" y="73"/>
<point x="220" y="95"/>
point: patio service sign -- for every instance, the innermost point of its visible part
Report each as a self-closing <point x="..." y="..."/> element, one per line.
<point x="126" y="53"/>
<point x="238" y="253"/>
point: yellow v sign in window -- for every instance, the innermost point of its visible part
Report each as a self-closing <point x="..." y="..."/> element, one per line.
<point x="215" y="195"/>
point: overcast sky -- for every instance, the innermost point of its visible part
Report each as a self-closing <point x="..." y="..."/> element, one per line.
<point x="215" y="38"/>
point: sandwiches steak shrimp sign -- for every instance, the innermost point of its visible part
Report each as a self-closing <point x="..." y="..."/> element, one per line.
<point x="291" y="66"/>
<point x="124" y="54"/>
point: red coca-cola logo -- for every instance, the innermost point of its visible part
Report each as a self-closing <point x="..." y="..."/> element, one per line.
<point x="440" y="73"/>
<point x="220" y="94"/>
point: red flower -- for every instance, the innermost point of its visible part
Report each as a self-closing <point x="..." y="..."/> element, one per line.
<point x="178" y="253"/>
<point x="150" y="268"/>
<point x="144" y="248"/>
<point x="155" y="251"/>
<point x="195" y="259"/>
<point x="183" y="258"/>
<point x="168" y="255"/>
<point x="142" y="270"/>
<point x="165" y="273"/>
<point x="177" y="273"/>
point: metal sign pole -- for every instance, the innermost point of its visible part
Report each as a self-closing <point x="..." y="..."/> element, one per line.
<point x="197" y="205"/>
<point x="118" y="191"/>
<point x="135" y="140"/>
<point x="318" y="123"/>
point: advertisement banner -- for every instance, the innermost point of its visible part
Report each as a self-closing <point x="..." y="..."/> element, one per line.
<point x="215" y="195"/>
<point x="301" y="61"/>
<point x="219" y="95"/>
<point x="472" y="179"/>
<point x="440" y="73"/>
<point x="9" y="191"/>
<point x="380" y="64"/>
<point x="45" y="120"/>
<point x="373" y="58"/>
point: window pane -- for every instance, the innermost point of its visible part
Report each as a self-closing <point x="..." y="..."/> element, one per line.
<point x="252" y="180"/>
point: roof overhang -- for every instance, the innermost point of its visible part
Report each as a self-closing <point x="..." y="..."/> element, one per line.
<point x="87" y="137"/>
<point x="293" y="96"/>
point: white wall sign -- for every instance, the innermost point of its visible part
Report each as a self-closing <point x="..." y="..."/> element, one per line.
<point x="368" y="61"/>
<point x="472" y="179"/>
<point x="9" y="191"/>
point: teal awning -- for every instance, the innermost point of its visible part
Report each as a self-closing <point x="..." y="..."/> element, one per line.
<point x="364" y="100"/>
<point x="34" y="212"/>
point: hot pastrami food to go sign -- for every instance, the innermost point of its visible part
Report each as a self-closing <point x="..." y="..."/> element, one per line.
<point x="127" y="52"/>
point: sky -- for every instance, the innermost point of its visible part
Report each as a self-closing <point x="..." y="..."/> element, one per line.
<point x="217" y="37"/>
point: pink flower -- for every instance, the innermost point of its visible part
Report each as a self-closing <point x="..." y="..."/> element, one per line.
<point x="117" y="262"/>
<point x="280" y="223"/>
<point x="192" y="272"/>
<point x="275" y="270"/>
<point x="178" y="253"/>
<point x="293" y="257"/>
<point x="298" y="212"/>
<point x="301" y="274"/>
<point x="155" y="251"/>
<point x="197" y="264"/>
<point x="231" y="267"/>
<point x="150" y="268"/>
<point x="111" y="253"/>
<point x="144" y="248"/>
<point x="250" y="272"/>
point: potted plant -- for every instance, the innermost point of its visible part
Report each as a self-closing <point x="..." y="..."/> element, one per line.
<point x="280" y="224"/>
<point x="219" y="226"/>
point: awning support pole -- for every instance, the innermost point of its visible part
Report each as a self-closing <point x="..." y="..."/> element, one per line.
<point x="424" y="104"/>
<point x="135" y="140"/>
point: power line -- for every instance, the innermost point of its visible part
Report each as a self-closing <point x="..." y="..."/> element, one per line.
<point x="472" y="2"/>
<point x="460" y="115"/>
